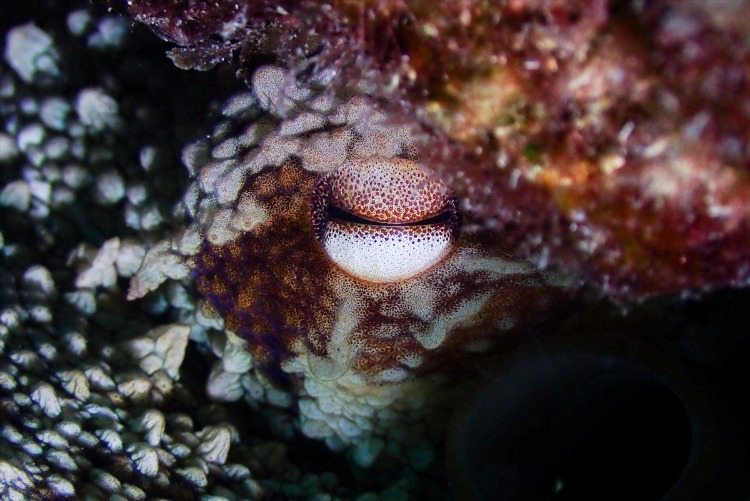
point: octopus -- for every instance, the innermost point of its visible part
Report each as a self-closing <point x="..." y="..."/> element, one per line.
<point x="341" y="259"/>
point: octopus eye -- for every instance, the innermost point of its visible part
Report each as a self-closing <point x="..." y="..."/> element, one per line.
<point x="384" y="219"/>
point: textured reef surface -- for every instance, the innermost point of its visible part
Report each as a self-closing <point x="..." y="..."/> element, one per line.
<point x="611" y="136"/>
<point x="277" y="277"/>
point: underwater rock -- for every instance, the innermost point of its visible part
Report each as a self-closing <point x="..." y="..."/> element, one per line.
<point x="576" y="416"/>
<point x="609" y="136"/>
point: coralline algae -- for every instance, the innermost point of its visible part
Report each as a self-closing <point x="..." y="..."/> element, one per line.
<point x="610" y="136"/>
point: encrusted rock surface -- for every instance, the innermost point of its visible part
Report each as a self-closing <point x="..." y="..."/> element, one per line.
<point x="609" y="135"/>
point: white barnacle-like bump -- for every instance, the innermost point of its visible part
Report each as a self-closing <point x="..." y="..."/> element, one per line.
<point x="44" y="395"/>
<point x="214" y="443"/>
<point x="145" y="459"/>
<point x="60" y="486"/>
<point x="384" y="219"/>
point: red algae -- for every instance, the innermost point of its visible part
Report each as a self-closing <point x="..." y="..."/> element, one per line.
<point x="610" y="137"/>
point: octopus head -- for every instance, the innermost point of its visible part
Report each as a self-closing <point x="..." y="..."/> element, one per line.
<point x="320" y="238"/>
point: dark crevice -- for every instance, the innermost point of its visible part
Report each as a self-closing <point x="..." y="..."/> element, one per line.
<point x="339" y="214"/>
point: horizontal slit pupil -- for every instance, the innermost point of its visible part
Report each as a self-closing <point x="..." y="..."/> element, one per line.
<point x="339" y="214"/>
